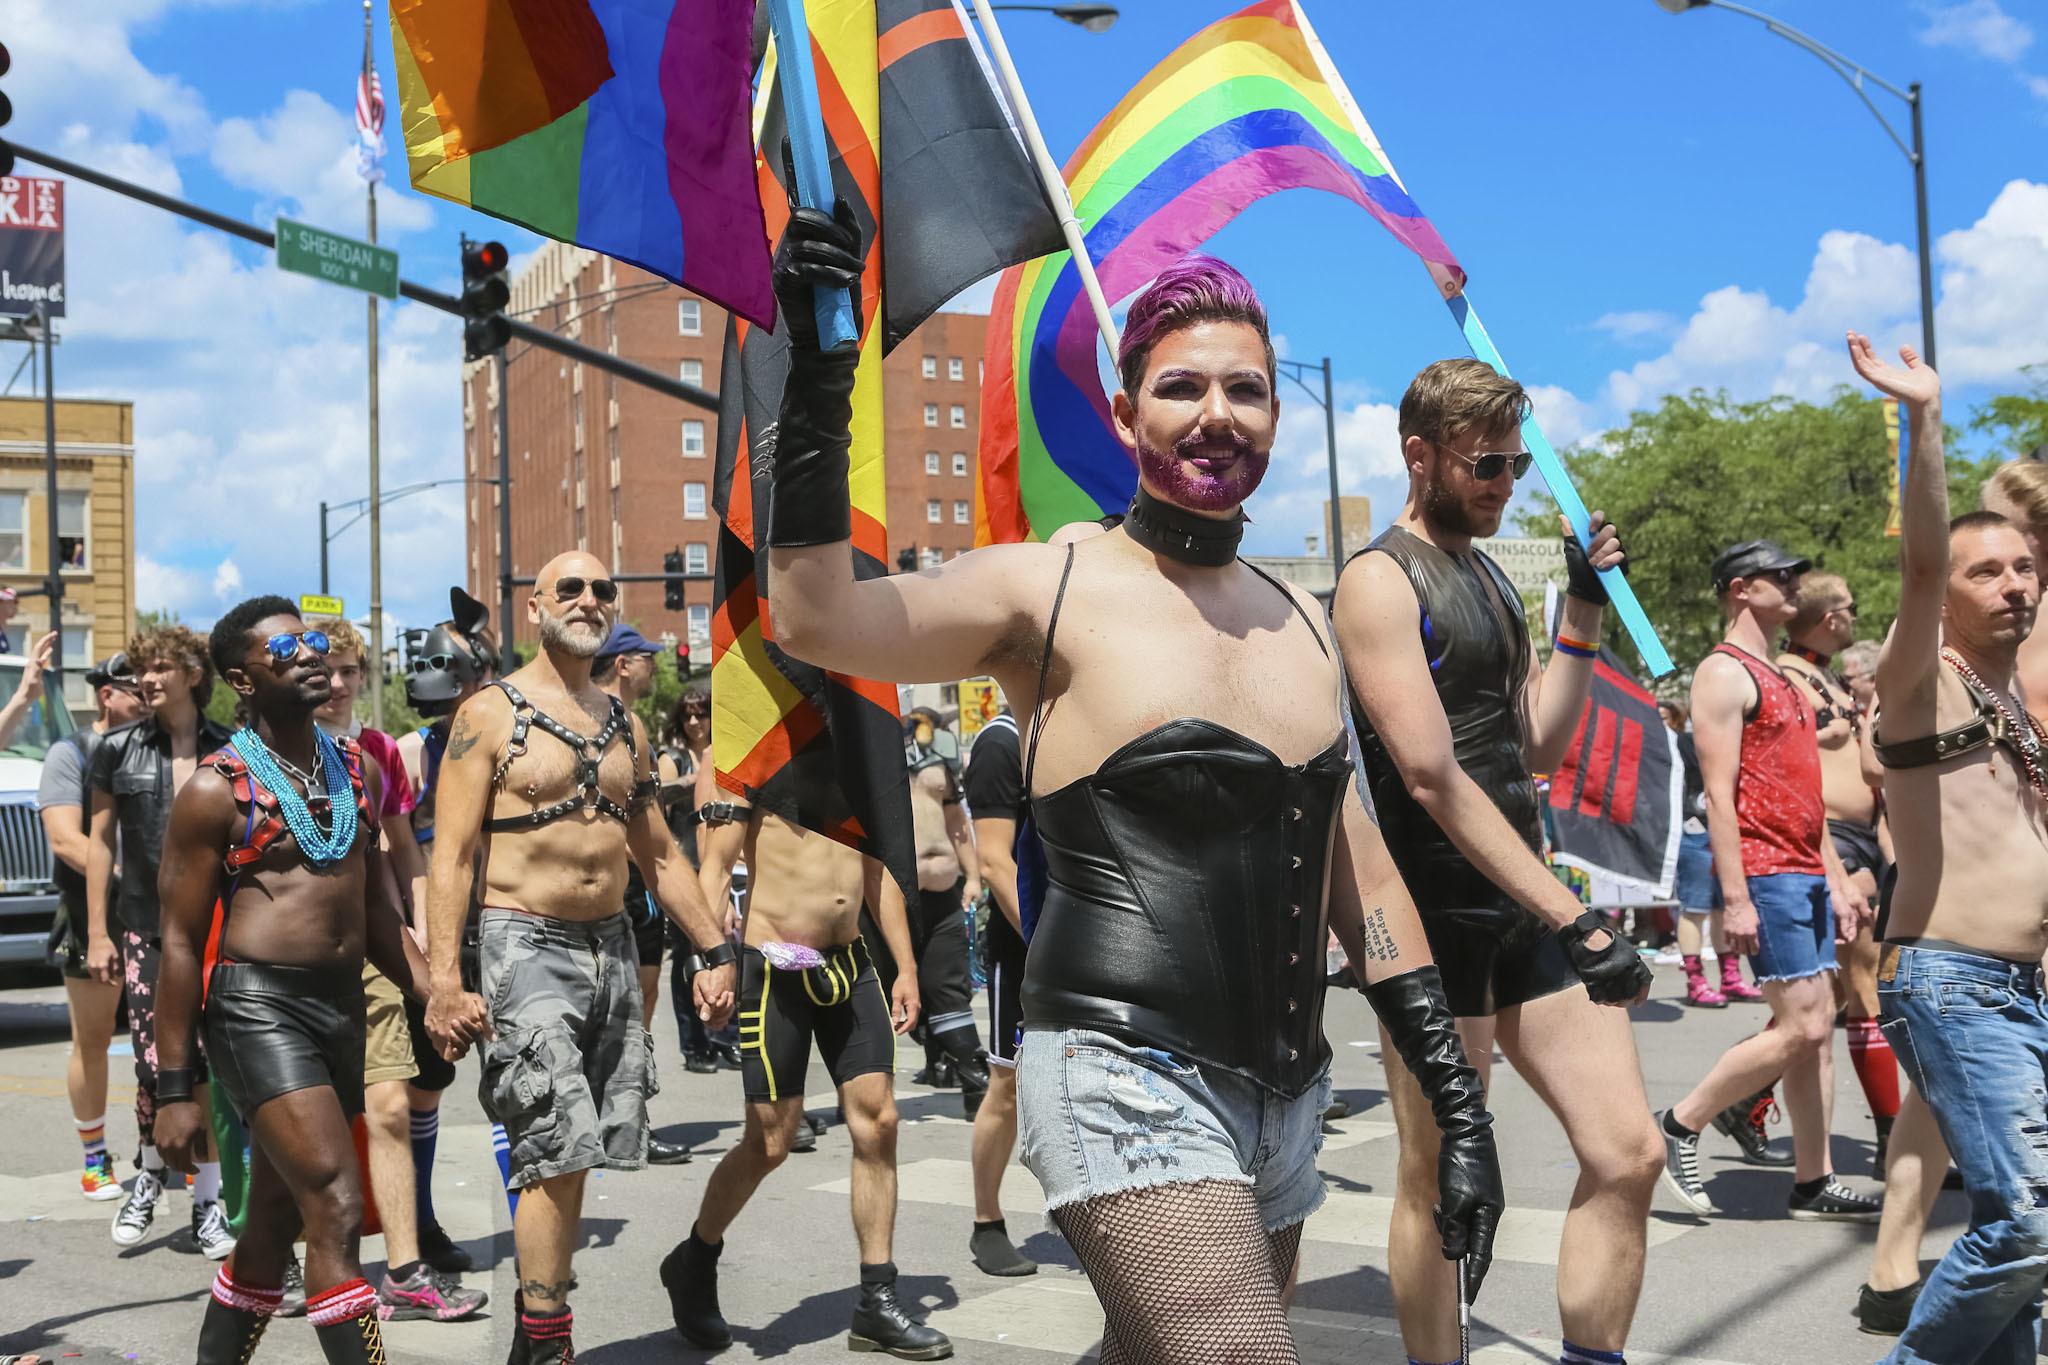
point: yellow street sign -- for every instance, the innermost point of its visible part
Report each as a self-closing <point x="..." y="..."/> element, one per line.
<point x="311" y="604"/>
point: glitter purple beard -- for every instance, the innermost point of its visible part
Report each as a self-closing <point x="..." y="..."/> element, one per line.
<point x="1183" y="484"/>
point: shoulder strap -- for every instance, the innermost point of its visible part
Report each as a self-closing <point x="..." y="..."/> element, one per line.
<point x="1292" y="601"/>
<point x="1052" y="623"/>
<point x="1980" y="731"/>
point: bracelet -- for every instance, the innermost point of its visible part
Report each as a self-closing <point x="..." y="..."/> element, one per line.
<point x="1578" y="649"/>
<point x="718" y="955"/>
<point x="174" y="1084"/>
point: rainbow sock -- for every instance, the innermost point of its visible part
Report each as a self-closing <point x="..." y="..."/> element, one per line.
<point x="93" y="1133"/>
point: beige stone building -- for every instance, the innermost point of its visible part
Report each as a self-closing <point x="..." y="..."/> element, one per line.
<point x="95" y="527"/>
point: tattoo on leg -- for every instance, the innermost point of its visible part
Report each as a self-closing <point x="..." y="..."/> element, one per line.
<point x="558" y="1292"/>
<point x="1379" y="941"/>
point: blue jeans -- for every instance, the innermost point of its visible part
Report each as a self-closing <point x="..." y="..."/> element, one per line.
<point x="1972" y="1033"/>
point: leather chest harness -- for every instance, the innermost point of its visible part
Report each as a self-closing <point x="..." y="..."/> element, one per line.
<point x="589" y="751"/>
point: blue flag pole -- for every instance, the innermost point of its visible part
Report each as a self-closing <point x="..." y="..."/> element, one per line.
<point x="812" y="153"/>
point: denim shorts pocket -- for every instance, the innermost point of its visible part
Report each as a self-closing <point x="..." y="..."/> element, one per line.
<point x="1973" y="997"/>
<point x="518" y="1081"/>
<point x="1083" y="1043"/>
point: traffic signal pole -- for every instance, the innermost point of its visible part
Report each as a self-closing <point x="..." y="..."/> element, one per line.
<point x="508" y="659"/>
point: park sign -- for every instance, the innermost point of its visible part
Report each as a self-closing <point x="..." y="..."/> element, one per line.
<point x="311" y="604"/>
<point x="31" y="246"/>
<point x="306" y="250"/>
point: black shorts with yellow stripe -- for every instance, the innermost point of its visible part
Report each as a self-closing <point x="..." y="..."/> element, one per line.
<point x="840" y="1004"/>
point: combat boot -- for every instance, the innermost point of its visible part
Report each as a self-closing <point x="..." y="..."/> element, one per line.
<point x="690" y="1275"/>
<point x="880" y="1322"/>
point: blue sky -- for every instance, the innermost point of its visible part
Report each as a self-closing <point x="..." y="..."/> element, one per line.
<point x="1646" y="203"/>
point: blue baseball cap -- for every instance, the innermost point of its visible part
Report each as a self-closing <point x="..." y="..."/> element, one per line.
<point x="626" y="640"/>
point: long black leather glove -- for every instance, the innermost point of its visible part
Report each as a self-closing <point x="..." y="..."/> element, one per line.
<point x="1469" y="1199"/>
<point x="810" y="504"/>
<point x="1615" y="974"/>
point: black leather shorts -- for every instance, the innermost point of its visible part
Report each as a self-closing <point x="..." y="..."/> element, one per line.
<point x="1494" y="957"/>
<point x="271" y="1030"/>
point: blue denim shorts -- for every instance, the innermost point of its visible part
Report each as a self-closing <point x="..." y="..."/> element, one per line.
<point x="1795" y="926"/>
<point x="1097" y="1115"/>
<point x="1698" y="889"/>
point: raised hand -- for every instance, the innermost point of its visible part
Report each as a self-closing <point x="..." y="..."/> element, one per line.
<point x="1916" y="384"/>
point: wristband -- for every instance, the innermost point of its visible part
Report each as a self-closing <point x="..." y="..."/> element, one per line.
<point x="1578" y="649"/>
<point x="174" y="1084"/>
<point x="719" y="954"/>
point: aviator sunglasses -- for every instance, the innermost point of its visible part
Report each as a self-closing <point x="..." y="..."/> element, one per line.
<point x="603" y="589"/>
<point x="284" y="648"/>
<point x="1487" y="465"/>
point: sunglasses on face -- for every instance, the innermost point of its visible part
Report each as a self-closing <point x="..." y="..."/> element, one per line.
<point x="571" y="589"/>
<point x="1487" y="465"/>
<point x="284" y="648"/>
<point x="1848" y="608"/>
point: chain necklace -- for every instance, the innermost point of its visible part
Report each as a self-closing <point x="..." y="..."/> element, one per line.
<point x="2026" y="733"/>
<point x="321" y="847"/>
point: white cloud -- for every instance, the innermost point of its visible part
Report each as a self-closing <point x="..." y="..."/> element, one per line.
<point x="227" y="583"/>
<point x="1647" y="325"/>
<point x="160" y="586"/>
<point x="1978" y="26"/>
<point x="1565" y="418"/>
<point x="302" y="157"/>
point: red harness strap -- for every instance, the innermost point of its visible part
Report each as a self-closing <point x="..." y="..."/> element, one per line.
<point x="266" y="824"/>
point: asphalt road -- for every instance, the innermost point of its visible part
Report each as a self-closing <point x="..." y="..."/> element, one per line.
<point x="1748" y="1288"/>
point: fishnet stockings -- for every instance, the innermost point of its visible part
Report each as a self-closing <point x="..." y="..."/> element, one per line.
<point x="1186" y="1273"/>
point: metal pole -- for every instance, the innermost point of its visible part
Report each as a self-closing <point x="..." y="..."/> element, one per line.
<point x="376" y="659"/>
<point x="323" y="549"/>
<point x="1920" y="210"/>
<point x="56" y="555"/>
<point x="507" y="658"/>
<point x="1336" y="509"/>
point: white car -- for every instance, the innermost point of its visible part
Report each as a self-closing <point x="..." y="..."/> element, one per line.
<point x="28" y="895"/>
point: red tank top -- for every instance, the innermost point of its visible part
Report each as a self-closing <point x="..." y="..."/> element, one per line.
<point x="1778" y="805"/>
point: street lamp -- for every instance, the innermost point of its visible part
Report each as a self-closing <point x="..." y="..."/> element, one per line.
<point x="362" y="506"/>
<point x="1294" y="369"/>
<point x="1093" y="18"/>
<point x="1916" y="154"/>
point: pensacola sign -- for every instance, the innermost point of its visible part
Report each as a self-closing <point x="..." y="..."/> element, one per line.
<point x="31" y="246"/>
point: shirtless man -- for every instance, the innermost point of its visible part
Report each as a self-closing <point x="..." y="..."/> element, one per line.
<point x="809" y="975"/>
<point x="546" y="789"/>
<point x="278" y="832"/>
<point x="1960" y="977"/>
<point x="1185" y="709"/>
<point x="1849" y="786"/>
<point x="948" y="880"/>
<point x="2018" y="491"/>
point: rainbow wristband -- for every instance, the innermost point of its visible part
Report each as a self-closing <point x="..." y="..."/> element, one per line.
<point x="1578" y="649"/>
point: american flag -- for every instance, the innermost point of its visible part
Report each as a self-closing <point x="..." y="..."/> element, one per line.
<point x="369" y="125"/>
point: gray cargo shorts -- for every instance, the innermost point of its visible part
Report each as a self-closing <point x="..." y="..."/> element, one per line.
<point x="572" y="1066"/>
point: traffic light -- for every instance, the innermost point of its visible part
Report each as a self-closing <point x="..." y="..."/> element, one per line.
<point x="6" y="113"/>
<point x="672" y="586"/>
<point x="484" y="296"/>
<point x="682" y="658"/>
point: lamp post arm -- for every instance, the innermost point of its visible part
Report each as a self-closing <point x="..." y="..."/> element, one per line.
<point x="1852" y="73"/>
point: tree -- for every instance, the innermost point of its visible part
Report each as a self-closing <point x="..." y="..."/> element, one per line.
<point x="2023" y="417"/>
<point x="1701" y="472"/>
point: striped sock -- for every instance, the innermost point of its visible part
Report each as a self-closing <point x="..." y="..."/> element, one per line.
<point x="93" y="1133"/>
<point x="545" y="1326"/>
<point x="426" y="1130"/>
<point x="1586" y="1355"/>
<point x="501" y="1148"/>
<point x="349" y="1299"/>
<point x="247" y="1298"/>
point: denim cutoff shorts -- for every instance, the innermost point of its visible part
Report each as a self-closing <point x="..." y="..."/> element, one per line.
<point x="1795" y="926"/>
<point x="1097" y="1116"/>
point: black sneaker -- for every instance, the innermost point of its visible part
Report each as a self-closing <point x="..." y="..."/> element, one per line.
<point x="817" y="1125"/>
<point x="805" y="1139"/>
<point x="438" y="1250"/>
<point x="690" y="1275"/>
<point x="1885" y="1312"/>
<point x="1835" y="1203"/>
<point x="880" y="1324"/>
<point x="1744" y="1122"/>
<point x="1682" y="1168"/>
<point x="293" y="1304"/>
<point x="702" y="1063"/>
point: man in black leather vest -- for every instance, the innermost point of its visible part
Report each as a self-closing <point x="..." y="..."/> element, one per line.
<point x="1453" y="715"/>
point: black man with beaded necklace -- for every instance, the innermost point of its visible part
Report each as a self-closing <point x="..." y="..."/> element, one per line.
<point x="274" y="840"/>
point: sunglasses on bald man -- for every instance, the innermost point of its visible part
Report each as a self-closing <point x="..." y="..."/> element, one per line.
<point x="570" y="588"/>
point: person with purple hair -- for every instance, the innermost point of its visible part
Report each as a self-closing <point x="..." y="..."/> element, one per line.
<point x="1198" y="820"/>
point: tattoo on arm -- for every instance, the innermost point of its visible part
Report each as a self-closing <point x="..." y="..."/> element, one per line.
<point x="463" y="739"/>
<point x="1379" y="941"/>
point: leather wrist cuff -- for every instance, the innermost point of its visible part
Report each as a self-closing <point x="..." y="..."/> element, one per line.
<point x="718" y="955"/>
<point x="810" y="503"/>
<point x="174" y="1084"/>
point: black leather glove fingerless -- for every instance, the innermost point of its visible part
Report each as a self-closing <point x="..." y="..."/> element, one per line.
<point x="1581" y="579"/>
<point x="1469" y="1199"/>
<point x="1615" y="974"/>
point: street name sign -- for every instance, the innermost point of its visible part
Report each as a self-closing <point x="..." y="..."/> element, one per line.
<point x="306" y="250"/>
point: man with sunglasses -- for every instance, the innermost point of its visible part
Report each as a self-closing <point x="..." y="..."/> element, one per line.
<point x="1453" y="714"/>
<point x="1785" y="899"/>
<point x="546" y="789"/>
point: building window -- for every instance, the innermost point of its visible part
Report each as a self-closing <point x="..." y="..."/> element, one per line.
<point x="690" y="318"/>
<point x="582" y="535"/>
<point x="933" y="558"/>
<point x="931" y="367"/>
<point x="77" y="641"/>
<point x="71" y="534"/>
<point x="693" y="439"/>
<point x="700" y="622"/>
<point x="963" y="513"/>
<point x="696" y="559"/>
<point x="959" y="416"/>
<point x="693" y="372"/>
<point x="954" y="369"/>
<point x="932" y="511"/>
<point x="13" y="531"/>
<point x="931" y="414"/>
<point x="959" y="464"/>
<point x="931" y="462"/>
<point x="693" y="501"/>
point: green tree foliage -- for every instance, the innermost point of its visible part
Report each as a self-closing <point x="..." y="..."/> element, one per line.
<point x="2022" y="417"/>
<point x="1701" y="472"/>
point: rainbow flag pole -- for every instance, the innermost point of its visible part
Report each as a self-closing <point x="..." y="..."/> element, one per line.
<point x="1633" y="618"/>
<point x="810" y="152"/>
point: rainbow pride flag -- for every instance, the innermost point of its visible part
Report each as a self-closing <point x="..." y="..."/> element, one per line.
<point x="619" y="125"/>
<point x="1246" y="108"/>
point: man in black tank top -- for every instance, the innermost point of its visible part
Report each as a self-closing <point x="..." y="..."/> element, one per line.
<point x="1453" y="716"/>
<point x="1197" y="818"/>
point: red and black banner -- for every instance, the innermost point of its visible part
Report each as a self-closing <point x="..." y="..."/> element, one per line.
<point x="1615" y="801"/>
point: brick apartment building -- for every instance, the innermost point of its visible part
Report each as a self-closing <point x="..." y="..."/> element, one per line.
<point x="626" y="473"/>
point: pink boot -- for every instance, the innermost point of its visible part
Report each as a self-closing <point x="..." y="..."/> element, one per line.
<point x="1698" y="990"/>
<point x="1732" y="984"/>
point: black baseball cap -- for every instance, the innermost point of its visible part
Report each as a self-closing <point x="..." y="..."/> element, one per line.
<point x="114" y="670"/>
<point x="1752" y="558"/>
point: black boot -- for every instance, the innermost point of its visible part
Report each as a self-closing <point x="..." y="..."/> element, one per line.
<point x="690" y="1275"/>
<point x="881" y="1324"/>
<point x="541" y="1338"/>
<point x="228" y="1336"/>
<point x="1743" y="1121"/>
<point x="352" y="1341"/>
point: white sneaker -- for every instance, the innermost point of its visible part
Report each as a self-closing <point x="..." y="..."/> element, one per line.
<point x="131" y="1224"/>
<point x="210" y="1230"/>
